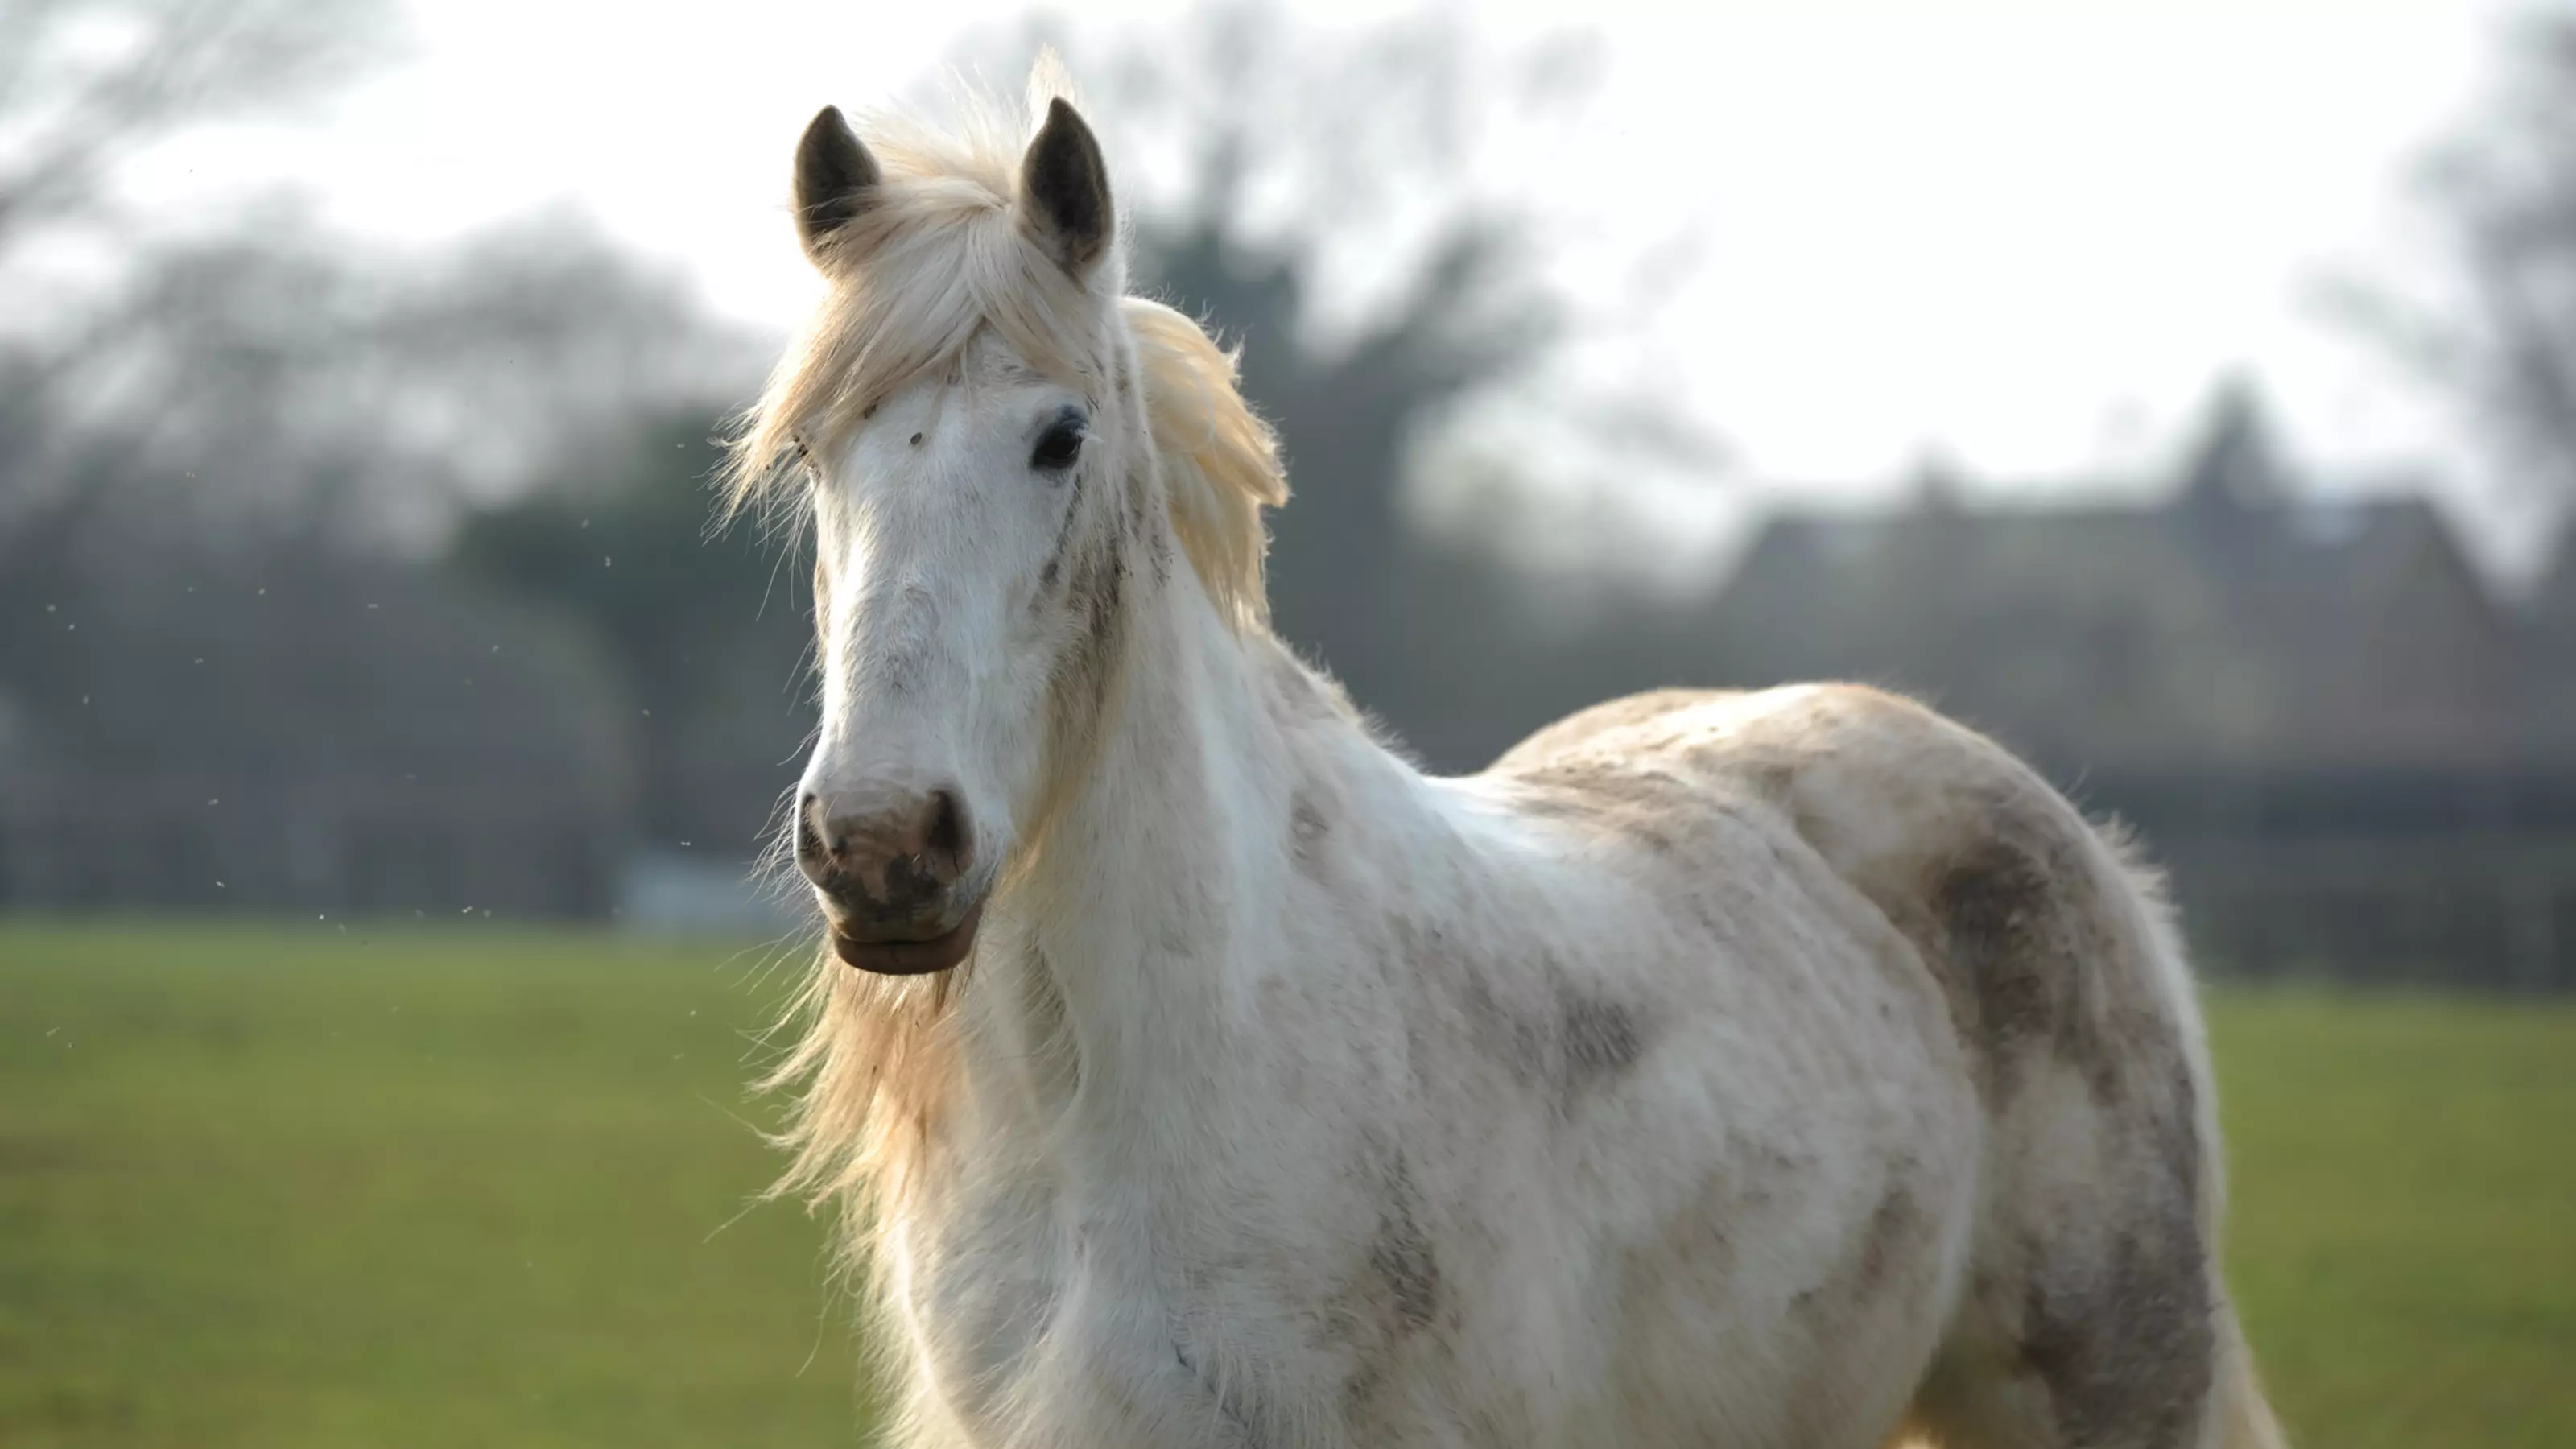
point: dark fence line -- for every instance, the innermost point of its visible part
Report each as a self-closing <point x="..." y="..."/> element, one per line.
<point x="2431" y="876"/>
<point x="338" y="862"/>
<point x="2454" y="878"/>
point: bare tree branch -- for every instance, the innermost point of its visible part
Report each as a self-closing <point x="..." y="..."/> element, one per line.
<point x="276" y="377"/>
<point x="2502" y="338"/>
<point x="85" y="85"/>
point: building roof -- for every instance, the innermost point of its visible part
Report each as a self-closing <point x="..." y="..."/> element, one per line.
<point x="2237" y="624"/>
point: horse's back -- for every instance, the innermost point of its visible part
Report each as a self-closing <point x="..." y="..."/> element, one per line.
<point x="2050" y="949"/>
<point x="2088" y="1304"/>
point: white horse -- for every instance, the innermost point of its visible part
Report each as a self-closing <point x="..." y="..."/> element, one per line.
<point x="1779" y="1069"/>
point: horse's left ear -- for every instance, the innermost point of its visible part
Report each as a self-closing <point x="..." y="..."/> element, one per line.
<point x="1064" y="192"/>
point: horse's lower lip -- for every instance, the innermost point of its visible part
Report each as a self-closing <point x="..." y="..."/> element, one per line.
<point x="910" y="958"/>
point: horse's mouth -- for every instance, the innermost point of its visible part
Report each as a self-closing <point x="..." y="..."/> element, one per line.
<point x="910" y="958"/>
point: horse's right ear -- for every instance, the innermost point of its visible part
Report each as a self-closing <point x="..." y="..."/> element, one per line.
<point x="835" y="177"/>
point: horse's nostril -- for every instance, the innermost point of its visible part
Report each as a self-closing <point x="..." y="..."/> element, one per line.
<point x="947" y="833"/>
<point x="809" y="840"/>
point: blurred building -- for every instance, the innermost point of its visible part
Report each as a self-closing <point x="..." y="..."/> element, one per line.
<point x="2352" y="756"/>
<point x="2551" y="641"/>
<point x="2347" y="752"/>
<point x="219" y="732"/>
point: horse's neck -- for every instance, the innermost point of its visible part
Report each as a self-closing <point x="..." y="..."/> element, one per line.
<point x="1125" y="972"/>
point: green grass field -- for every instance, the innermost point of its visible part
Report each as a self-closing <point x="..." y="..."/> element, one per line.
<point x="299" y="1186"/>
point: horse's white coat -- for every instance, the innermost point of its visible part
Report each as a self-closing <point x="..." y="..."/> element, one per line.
<point x="1787" y="1069"/>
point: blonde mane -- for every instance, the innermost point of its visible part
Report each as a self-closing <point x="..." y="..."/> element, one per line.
<point x="1220" y="460"/>
<point x="938" y="256"/>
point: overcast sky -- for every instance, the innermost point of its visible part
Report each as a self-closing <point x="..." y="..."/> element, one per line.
<point x="2024" y="236"/>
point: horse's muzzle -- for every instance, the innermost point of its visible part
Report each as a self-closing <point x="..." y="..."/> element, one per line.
<point x="895" y="880"/>
<point x="908" y="956"/>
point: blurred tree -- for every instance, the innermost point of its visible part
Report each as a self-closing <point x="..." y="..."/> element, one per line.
<point x="215" y="421"/>
<point x="2500" y="335"/>
<point x="282" y="381"/>
<point x="1360" y="133"/>
<point x="709" y="633"/>
<point x="1315" y="196"/>
<point x="87" y="85"/>
<point x="260" y="373"/>
<point x="1347" y="416"/>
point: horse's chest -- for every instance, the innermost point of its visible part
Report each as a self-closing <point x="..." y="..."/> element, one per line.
<point x="1029" y="1293"/>
<point x="979" y="1278"/>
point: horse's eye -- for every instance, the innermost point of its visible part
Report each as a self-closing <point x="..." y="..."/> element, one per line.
<point x="1059" y="448"/>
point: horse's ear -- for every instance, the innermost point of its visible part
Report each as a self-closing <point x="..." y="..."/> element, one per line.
<point x="1064" y="191"/>
<point x="834" y="178"/>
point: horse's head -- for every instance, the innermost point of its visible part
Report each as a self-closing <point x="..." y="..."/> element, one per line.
<point x="974" y="414"/>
